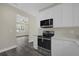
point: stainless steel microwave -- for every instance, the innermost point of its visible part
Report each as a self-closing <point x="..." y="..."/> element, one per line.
<point x="48" y="23"/>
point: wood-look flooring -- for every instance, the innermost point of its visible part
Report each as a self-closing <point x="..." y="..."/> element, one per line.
<point x="21" y="51"/>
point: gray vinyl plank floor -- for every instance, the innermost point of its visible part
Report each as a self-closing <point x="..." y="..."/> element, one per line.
<point x="26" y="50"/>
<point x="21" y="51"/>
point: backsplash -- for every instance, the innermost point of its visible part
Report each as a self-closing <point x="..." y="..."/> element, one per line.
<point x="67" y="32"/>
<point x="64" y="32"/>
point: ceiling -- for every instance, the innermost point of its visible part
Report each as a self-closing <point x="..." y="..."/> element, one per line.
<point x="32" y="7"/>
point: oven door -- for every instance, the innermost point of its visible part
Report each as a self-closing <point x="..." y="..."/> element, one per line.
<point x="47" y="44"/>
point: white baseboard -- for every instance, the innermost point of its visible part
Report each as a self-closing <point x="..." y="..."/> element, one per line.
<point x="6" y="49"/>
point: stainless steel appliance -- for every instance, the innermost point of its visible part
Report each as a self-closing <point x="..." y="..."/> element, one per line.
<point x="44" y="41"/>
<point x="48" y="23"/>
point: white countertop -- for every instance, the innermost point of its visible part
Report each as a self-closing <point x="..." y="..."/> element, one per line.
<point x="67" y="39"/>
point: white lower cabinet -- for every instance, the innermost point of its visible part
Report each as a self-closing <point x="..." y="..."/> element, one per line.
<point x="33" y="38"/>
<point x="64" y="48"/>
<point x="35" y="42"/>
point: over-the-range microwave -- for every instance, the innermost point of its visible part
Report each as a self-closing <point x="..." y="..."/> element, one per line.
<point x="48" y="23"/>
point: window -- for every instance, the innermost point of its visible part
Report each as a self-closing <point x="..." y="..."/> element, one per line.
<point x="21" y="22"/>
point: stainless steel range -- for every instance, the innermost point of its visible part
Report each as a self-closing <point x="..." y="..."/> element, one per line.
<point x="44" y="41"/>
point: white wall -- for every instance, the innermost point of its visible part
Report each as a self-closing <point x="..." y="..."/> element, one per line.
<point x="33" y="31"/>
<point x="8" y="25"/>
<point x="32" y="27"/>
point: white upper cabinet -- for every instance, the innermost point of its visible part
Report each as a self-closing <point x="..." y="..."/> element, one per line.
<point x="67" y="15"/>
<point x="55" y="13"/>
<point x="57" y="16"/>
<point x="64" y="15"/>
<point x="75" y="9"/>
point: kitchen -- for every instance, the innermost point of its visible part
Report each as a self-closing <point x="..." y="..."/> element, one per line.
<point x="66" y="28"/>
<point x="53" y="29"/>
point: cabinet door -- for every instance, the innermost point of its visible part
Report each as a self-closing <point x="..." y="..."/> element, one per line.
<point x="55" y="13"/>
<point x="57" y="16"/>
<point x="35" y="41"/>
<point x="64" y="48"/>
<point x="76" y="14"/>
<point x="67" y="15"/>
